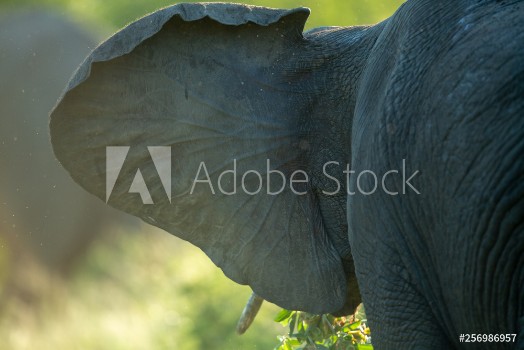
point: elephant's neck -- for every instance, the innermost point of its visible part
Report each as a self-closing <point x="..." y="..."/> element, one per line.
<point x="338" y="80"/>
<point x="330" y="119"/>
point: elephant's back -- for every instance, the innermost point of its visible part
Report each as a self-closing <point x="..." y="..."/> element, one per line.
<point x="444" y="92"/>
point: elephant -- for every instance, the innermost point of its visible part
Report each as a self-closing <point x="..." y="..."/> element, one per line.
<point x="379" y="163"/>
<point x="44" y="217"/>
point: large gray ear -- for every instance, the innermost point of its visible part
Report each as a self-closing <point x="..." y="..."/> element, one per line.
<point x="215" y="83"/>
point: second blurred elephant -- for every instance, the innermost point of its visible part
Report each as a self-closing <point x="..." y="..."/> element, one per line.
<point x="40" y="206"/>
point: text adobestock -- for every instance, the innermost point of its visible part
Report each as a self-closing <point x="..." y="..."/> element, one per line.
<point x="270" y="181"/>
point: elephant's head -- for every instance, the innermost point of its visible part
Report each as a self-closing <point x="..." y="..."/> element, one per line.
<point x="227" y="87"/>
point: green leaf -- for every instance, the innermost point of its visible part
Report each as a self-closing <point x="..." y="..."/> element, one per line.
<point x="315" y="333"/>
<point x="327" y="326"/>
<point x="292" y="323"/>
<point x="283" y="315"/>
<point x="355" y="325"/>
<point x="294" y="342"/>
<point x="364" y="346"/>
<point x="288" y="344"/>
<point x="361" y="312"/>
<point x="301" y="327"/>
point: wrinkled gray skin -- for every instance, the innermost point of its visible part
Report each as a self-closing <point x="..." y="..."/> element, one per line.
<point x="40" y="207"/>
<point x="439" y="84"/>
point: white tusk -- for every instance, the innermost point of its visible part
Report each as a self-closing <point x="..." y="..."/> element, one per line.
<point x="249" y="313"/>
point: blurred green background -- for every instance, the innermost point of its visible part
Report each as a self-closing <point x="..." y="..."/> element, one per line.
<point x="134" y="287"/>
<point x="116" y="13"/>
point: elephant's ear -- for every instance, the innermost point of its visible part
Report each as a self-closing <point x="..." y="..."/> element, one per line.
<point x="219" y="85"/>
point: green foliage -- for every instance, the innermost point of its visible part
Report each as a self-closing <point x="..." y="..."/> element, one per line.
<point x="323" y="332"/>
